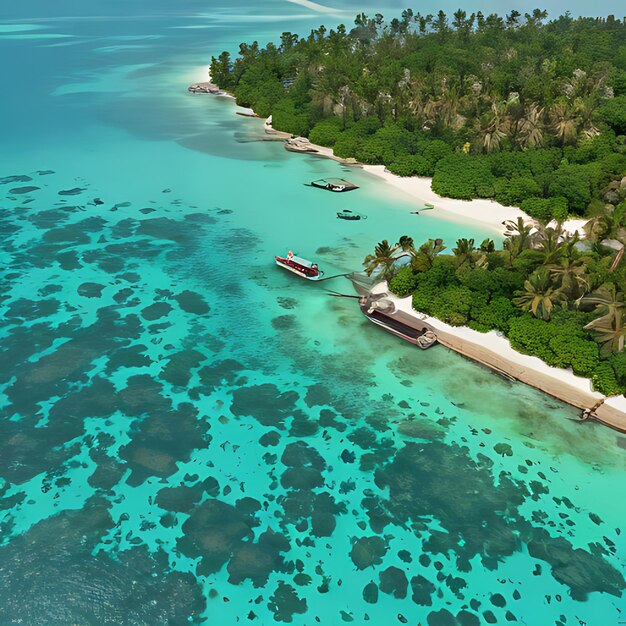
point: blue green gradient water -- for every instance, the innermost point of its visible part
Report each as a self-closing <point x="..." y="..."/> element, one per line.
<point x="190" y="435"/>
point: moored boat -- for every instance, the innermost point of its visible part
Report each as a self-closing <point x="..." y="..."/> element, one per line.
<point x="337" y="185"/>
<point x="299" y="266"/>
<point x="383" y="313"/>
<point x="346" y="214"/>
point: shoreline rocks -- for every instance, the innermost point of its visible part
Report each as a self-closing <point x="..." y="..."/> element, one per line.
<point x="206" y="87"/>
<point x="300" y="144"/>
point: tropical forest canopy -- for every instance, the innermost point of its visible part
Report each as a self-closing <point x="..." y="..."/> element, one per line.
<point x="528" y="111"/>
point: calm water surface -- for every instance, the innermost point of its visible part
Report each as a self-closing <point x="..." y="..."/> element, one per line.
<point x="188" y="434"/>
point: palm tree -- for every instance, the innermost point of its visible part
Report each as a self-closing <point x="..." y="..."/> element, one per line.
<point x="609" y="332"/>
<point x="487" y="246"/>
<point x="382" y="260"/>
<point x="564" y="123"/>
<point x="518" y="237"/>
<point x="569" y="275"/>
<point x="424" y="257"/>
<point x="530" y="128"/>
<point x="548" y="242"/>
<point x="609" y="229"/>
<point x="385" y="256"/>
<point x="607" y="300"/>
<point x="494" y="127"/>
<point x="539" y="296"/>
<point x="464" y="252"/>
<point x="406" y="243"/>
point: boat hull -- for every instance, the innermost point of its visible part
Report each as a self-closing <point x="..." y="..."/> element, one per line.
<point x="297" y="270"/>
<point x="399" y="329"/>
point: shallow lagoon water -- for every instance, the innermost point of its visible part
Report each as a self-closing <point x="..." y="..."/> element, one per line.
<point x="190" y="435"/>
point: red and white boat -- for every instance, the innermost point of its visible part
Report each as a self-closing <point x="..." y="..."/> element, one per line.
<point x="301" y="267"/>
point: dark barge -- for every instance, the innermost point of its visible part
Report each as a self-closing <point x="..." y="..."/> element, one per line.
<point x="398" y="323"/>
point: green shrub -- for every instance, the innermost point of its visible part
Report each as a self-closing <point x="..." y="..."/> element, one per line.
<point x="508" y="164"/>
<point x="604" y="380"/>
<point x="479" y="326"/>
<point x="286" y="117"/>
<point x="613" y="112"/>
<point x="579" y="354"/>
<point x="496" y="315"/>
<point x="365" y="126"/>
<point x="513" y="191"/>
<point x="530" y="335"/>
<point x="452" y="305"/>
<point x="403" y="283"/>
<point x="347" y="145"/>
<point x="327" y="132"/>
<point x="546" y="209"/>
<point x="463" y="176"/>
<point x="572" y="182"/>
<point x="423" y="297"/>
<point x="432" y="152"/>
<point x="408" y="165"/>
<point x="618" y="363"/>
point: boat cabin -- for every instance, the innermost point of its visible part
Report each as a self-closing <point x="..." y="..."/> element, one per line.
<point x="337" y="185"/>
<point x="297" y="265"/>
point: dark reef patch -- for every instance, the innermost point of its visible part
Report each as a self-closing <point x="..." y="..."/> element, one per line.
<point x="285" y="603"/>
<point x="180" y="365"/>
<point x="74" y="191"/>
<point x="109" y="471"/>
<point x="442" y="481"/>
<point x="183" y="498"/>
<point x="90" y="290"/>
<point x="317" y="394"/>
<point x="284" y="322"/>
<point x="156" y="311"/>
<point x="368" y="551"/>
<point x="256" y="561"/>
<point x="265" y="403"/>
<point x="370" y="593"/>
<point x="422" y="590"/>
<point x="26" y="309"/>
<point x="287" y="303"/>
<point x="220" y="372"/>
<point x="19" y="178"/>
<point x="163" y="438"/>
<point x="394" y="581"/>
<point x="192" y="302"/>
<point x="213" y="532"/>
<point x="133" y="356"/>
<point x="22" y="190"/>
<point x="75" y="584"/>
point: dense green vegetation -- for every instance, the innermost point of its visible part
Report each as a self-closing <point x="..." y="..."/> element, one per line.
<point x="553" y="295"/>
<point x="519" y="109"/>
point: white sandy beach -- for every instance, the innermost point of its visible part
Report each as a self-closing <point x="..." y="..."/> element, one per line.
<point x="485" y="212"/>
<point x="495" y="351"/>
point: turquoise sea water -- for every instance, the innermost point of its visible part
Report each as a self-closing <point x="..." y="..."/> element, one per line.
<point x="189" y="434"/>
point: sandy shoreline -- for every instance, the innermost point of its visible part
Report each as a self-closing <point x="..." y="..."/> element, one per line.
<point x="495" y="351"/>
<point x="487" y="213"/>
